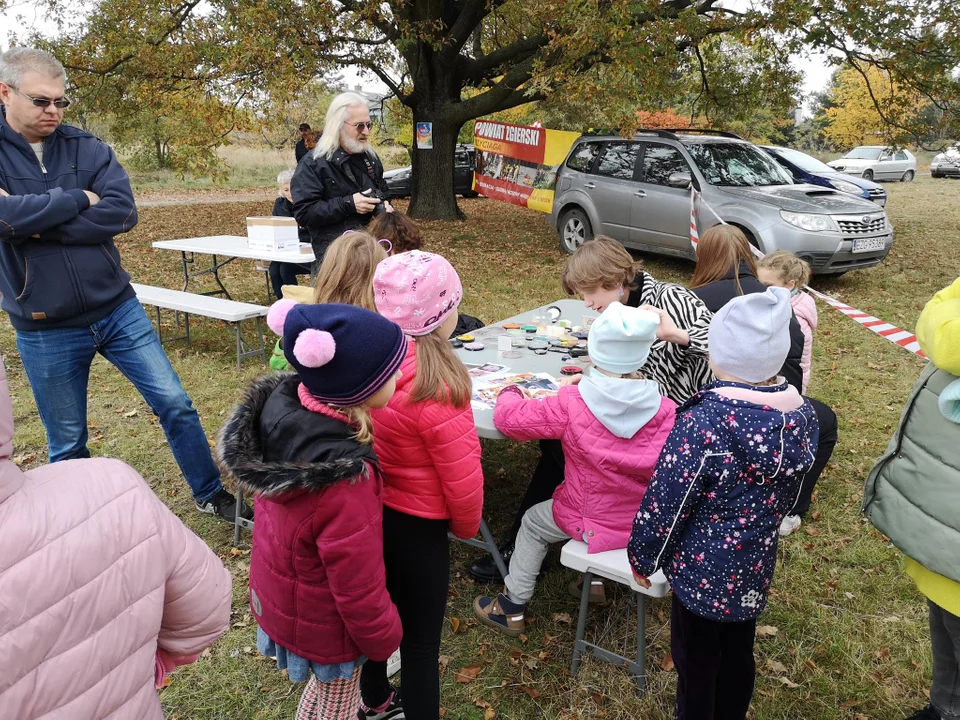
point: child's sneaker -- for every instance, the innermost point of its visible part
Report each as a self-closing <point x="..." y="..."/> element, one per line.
<point x="391" y="710"/>
<point x="598" y="595"/>
<point x="789" y="525"/>
<point x="501" y="614"/>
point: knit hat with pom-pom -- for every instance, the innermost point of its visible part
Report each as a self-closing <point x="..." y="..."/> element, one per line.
<point x="342" y="353"/>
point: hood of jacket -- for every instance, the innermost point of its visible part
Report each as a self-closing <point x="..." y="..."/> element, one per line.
<point x="272" y="445"/>
<point x="622" y="405"/>
<point x="776" y="408"/>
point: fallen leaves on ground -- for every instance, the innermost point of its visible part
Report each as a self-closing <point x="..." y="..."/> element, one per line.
<point x="467" y="674"/>
<point x="766" y="631"/>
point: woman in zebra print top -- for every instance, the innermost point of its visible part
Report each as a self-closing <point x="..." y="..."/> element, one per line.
<point x="603" y="272"/>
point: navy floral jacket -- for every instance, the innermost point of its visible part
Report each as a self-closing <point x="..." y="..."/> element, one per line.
<point x="729" y="472"/>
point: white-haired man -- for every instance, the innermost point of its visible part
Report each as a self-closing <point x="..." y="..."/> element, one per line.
<point x="339" y="186"/>
<point x="63" y="197"/>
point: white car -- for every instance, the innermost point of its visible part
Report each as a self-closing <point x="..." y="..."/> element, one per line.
<point x="878" y="162"/>
<point x="947" y="163"/>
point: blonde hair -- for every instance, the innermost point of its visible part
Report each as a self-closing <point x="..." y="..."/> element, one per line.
<point x="788" y="267"/>
<point x="358" y="418"/>
<point x="346" y="275"/>
<point x="722" y="248"/>
<point x="601" y="263"/>
<point x="440" y="374"/>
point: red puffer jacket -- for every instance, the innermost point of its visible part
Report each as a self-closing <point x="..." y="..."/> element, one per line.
<point x="317" y="580"/>
<point x="430" y="455"/>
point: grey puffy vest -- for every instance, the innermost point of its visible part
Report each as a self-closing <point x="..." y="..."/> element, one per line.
<point x="912" y="494"/>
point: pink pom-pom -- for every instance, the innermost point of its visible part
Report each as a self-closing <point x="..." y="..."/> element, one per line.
<point x="314" y="348"/>
<point x="277" y="314"/>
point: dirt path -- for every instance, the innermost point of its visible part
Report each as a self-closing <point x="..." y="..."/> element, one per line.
<point x="163" y="198"/>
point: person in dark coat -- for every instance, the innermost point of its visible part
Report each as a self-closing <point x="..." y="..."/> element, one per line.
<point x="64" y="196"/>
<point x="339" y="186"/>
<point x="725" y="270"/>
<point x="285" y="273"/>
<point x="306" y="143"/>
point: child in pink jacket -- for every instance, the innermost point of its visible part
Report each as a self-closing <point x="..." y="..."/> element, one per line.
<point x="612" y="425"/>
<point x="786" y="270"/>
<point x="102" y="589"/>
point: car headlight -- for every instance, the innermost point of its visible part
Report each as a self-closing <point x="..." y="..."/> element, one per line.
<point x="847" y="187"/>
<point x="809" y="221"/>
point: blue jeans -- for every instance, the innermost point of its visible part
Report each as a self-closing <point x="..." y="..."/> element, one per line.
<point x="58" y="361"/>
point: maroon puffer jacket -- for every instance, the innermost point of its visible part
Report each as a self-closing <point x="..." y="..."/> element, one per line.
<point x="317" y="580"/>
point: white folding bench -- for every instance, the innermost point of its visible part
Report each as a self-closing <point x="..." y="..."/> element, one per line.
<point x="612" y="565"/>
<point x="229" y="311"/>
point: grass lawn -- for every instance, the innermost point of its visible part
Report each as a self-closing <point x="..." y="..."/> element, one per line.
<point x="851" y="639"/>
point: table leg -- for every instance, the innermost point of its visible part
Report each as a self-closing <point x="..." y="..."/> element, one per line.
<point x="266" y="274"/>
<point x="214" y="270"/>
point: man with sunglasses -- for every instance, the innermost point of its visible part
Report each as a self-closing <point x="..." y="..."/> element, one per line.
<point x="339" y="185"/>
<point x="63" y="197"/>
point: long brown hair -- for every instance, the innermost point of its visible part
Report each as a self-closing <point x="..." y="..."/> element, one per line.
<point x="721" y="248"/>
<point x="601" y="263"/>
<point x="440" y="374"/>
<point x="401" y="231"/>
<point x="346" y="275"/>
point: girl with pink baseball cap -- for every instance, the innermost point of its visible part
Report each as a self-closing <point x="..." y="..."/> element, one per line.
<point x="430" y="455"/>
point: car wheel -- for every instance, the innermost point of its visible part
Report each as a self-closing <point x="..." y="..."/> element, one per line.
<point x="907" y="176"/>
<point x="867" y="175"/>
<point x="575" y="230"/>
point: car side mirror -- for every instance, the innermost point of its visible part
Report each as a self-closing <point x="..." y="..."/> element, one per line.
<point x="679" y="180"/>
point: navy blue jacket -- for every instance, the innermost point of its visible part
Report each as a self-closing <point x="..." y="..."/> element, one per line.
<point x="59" y="266"/>
<point x="728" y="473"/>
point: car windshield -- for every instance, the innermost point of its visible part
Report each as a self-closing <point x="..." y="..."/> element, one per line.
<point x="737" y="164"/>
<point x="864" y="153"/>
<point x="804" y="161"/>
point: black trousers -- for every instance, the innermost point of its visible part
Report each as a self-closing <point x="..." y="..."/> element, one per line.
<point x="283" y="273"/>
<point x="828" y="441"/>
<point x="715" y="665"/>
<point x="416" y="552"/>
<point x="546" y="478"/>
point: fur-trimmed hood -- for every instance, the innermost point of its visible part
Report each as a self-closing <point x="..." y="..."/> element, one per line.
<point x="272" y="445"/>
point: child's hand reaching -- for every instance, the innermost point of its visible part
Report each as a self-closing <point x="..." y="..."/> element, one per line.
<point x="640" y="579"/>
<point x="570" y="379"/>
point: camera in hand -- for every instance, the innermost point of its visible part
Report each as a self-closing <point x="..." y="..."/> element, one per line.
<point x="381" y="208"/>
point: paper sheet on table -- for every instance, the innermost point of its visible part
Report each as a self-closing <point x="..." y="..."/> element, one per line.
<point x="537" y="385"/>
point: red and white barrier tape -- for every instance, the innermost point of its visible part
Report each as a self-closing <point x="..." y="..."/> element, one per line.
<point x="906" y="340"/>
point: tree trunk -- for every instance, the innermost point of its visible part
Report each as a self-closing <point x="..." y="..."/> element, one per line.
<point x="433" y="196"/>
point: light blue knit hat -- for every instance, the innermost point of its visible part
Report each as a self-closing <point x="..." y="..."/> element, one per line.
<point x="620" y="339"/>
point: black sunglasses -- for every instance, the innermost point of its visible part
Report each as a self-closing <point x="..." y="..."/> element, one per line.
<point x="43" y="102"/>
<point x="361" y="125"/>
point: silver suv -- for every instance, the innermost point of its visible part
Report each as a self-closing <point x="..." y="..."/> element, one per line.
<point x="638" y="191"/>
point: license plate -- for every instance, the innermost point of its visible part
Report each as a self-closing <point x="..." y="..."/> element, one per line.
<point x="868" y="244"/>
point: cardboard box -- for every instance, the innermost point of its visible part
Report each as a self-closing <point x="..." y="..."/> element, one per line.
<point x="273" y="233"/>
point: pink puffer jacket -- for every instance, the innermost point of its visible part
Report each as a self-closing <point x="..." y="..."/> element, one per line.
<point x="605" y="476"/>
<point x="96" y="577"/>
<point x="805" y="310"/>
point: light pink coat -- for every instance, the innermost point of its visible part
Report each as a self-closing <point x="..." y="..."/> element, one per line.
<point x="805" y="309"/>
<point x="604" y="476"/>
<point x="96" y="576"/>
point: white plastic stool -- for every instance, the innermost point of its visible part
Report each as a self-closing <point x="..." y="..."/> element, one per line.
<point x="612" y="565"/>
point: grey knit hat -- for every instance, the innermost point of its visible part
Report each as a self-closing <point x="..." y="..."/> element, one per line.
<point x="749" y="337"/>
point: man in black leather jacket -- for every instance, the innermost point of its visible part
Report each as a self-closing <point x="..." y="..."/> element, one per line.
<point x="339" y="186"/>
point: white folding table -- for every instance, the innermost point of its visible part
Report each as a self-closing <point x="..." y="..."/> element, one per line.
<point x="228" y="248"/>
